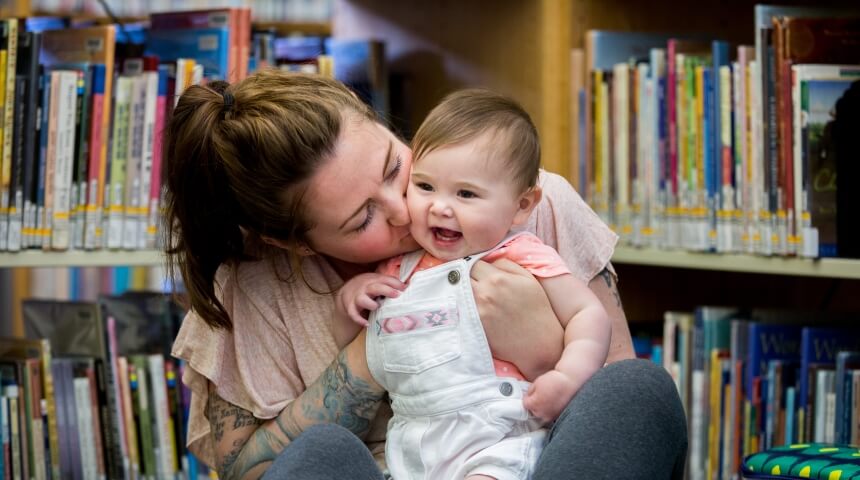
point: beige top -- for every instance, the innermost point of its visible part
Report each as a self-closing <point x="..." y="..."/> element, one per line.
<point x="282" y="330"/>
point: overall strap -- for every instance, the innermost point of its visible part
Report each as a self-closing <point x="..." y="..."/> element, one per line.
<point x="471" y="259"/>
<point x="408" y="264"/>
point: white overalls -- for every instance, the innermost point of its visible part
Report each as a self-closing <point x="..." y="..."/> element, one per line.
<point x="452" y="415"/>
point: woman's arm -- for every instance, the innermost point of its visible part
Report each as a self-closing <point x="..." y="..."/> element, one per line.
<point x="345" y="394"/>
<point x="606" y="288"/>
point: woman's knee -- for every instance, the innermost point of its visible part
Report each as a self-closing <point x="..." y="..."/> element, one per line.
<point x="631" y="389"/>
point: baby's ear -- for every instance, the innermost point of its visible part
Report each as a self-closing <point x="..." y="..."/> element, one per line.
<point x="528" y="201"/>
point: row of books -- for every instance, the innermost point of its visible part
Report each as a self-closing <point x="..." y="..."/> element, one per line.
<point x="82" y="165"/>
<point x="264" y="10"/>
<point x="93" y="393"/>
<point x="750" y="380"/>
<point x="684" y="142"/>
<point x="84" y="111"/>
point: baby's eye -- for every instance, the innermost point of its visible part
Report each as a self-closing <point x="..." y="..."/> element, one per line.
<point x="466" y="194"/>
<point x="424" y="186"/>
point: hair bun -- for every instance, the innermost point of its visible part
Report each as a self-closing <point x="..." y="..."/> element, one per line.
<point x="219" y="86"/>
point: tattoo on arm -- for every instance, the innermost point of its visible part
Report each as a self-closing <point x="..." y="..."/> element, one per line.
<point x="607" y="277"/>
<point x="338" y="396"/>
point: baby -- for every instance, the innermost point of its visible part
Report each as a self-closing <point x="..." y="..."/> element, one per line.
<point x="459" y="412"/>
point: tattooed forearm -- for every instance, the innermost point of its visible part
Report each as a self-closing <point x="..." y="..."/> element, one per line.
<point x="338" y="396"/>
<point x="607" y="277"/>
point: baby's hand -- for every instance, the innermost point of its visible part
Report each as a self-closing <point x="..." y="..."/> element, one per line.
<point x="549" y="395"/>
<point x="359" y="295"/>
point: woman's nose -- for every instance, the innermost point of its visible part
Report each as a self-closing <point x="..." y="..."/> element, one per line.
<point x="398" y="214"/>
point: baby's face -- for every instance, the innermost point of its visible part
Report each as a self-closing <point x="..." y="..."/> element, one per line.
<point x="461" y="200"/>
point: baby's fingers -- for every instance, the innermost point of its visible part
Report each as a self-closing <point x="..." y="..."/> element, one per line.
<point x="355" y="315"/>
<point x="382" y="290"/>
<point x="366" y="302"/>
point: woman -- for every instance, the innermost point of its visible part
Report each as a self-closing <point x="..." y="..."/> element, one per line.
<point x="281" y="187"/>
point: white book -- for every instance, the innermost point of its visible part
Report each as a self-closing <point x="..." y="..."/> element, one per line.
<point x="620" y="135"/>
<point x="151" y="79"/>
<point x="131" y="198"/>
<point x="67" y="91"/>
<point x="644" y="139"/>
<point x="657" y="205"/>
<point x="163" y="420"/>
<point x="824" y="388"/>
<point x="119" y="161"/>
<point x="84" y="413"/>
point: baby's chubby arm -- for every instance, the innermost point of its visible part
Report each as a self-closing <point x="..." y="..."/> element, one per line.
<point x="587" y="332"/>
<point x="356" y="298"/>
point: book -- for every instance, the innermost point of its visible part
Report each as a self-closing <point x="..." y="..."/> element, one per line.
<point x="820" y="88"/>
<point x="818" y="348"/>
<point x="95" y="45"/>
<point x="846" y="363"/>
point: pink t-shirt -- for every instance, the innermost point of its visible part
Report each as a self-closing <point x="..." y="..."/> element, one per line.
<point x="525" y="250"/>
<point x="282" y="337"/>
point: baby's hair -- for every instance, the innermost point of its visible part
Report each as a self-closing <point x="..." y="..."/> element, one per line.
<point x="238" y="159"/>
<point x="467" y="114"/>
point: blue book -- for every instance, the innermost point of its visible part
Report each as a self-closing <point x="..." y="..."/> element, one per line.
<point x="767" y="341"/>
<point x="818" y="346"/>
<point x="606" y="48"/>
<point x="846" y="363"/>
<point x="720" y="58"/>
<point x="707" y="135"/>
<point x="209" y="47"/>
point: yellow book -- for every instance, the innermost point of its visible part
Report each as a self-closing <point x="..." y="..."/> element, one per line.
<point x="5" y="180"/>
<point x="8" y="113"/>
<point x="699" y="134"/>
<point x="51" y="405"/>
<point x="597" y="142"/>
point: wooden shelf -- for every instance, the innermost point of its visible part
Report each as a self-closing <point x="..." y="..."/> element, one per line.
<point x="102" y="258"/>
<point x="289" y="28"/>
<point x="825" y="267"/>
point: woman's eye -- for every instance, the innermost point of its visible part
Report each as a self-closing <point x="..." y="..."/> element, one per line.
<point x="396" y="170"/>
<point x="367" y="220"/>
<point x="466" y="194"/>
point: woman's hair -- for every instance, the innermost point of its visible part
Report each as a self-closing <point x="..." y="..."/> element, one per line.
<point x="467" y="114"/>
<point x="238" y="159"/>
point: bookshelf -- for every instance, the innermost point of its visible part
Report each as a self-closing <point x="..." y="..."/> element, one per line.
<point x="837" y="268"/>
<point x="78" y="258"/>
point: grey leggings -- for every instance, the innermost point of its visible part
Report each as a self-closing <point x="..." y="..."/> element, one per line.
<point x="627" y="422"/>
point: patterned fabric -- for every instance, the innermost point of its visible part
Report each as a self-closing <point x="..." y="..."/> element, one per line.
<point x="438" y="317"/>
<point x="808" y="460"/>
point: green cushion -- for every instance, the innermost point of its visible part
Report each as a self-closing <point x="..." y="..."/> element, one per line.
<point x="818" y="461"/>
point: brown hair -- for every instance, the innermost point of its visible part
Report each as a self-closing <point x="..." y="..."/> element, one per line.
<point x="238" y="157"/>
<point x="466" y="114"/>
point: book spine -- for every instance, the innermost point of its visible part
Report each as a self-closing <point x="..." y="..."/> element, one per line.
<point x="137" y="111"/>
<point x="119" y="160"/>
<point x="51" y="407"/>
<point x="95" y="189"/>
<point x="83" y="413"/>
<point x="9" y="120"/>
<point x="67" y="95"/>
<point x="116" y="438"/>
<point x="155" y="183"/>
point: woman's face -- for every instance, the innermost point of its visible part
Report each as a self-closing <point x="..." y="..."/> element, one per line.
<point x="357" y="197"/>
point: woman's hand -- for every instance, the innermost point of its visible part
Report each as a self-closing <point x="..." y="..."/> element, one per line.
<point x="518" y="319"/>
